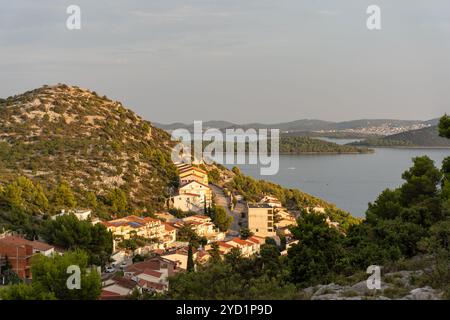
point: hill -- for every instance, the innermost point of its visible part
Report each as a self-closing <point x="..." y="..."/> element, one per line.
<point x="313" y="127"/>
<point x="299" y="145"/>
<point x="65" y="133"/>
<point x="425" y="137"/>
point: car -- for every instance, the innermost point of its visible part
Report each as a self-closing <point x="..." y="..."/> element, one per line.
<point x="110" y="269"/>
<point x="123" y="265"/>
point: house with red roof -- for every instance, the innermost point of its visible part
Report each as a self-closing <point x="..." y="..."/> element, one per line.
<point x="19" y="251"/>
<point x="161" y="234"/>
<point x="152" y="274"/>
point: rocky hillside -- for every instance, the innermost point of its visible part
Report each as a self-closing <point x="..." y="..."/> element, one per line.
<point x="65" y="133"/>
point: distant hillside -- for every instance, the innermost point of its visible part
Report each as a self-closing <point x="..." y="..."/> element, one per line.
<point x="190" y="127"/>
<point x="303" y="126"/>
<point x="426" y="137"/>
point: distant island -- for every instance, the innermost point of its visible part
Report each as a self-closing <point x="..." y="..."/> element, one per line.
<point x="423" y="138"/>
<point x="307" y="145"/>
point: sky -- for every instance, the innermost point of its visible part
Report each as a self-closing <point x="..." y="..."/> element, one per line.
<point x="237" y="60"/>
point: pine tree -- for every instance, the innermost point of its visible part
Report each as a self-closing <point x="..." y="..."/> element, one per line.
<point x="190" y="261"/>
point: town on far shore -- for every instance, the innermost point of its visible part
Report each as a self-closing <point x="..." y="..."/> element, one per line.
<point x="147" y="251"/>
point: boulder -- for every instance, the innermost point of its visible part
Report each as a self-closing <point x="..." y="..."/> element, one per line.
<point x="425" y="293"/>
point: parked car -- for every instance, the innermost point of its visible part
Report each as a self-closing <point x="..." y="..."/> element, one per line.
<point x="110" y="269"/>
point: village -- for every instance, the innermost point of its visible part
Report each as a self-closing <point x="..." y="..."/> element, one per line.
<point x="147" y="251"/>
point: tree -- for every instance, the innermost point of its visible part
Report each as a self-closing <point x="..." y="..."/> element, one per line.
<point x="22" y="194"/>
<point x="319" y="253"/>
<point x="117" y="199"/>
<point x="245" y="233"/>
<point x="64" y="197"/>
<point x="190" y="261"/>
<point x="214" y="175"/>
<point x="215" y="253"/>
<point x="91" y="200"/>
<point x="23" y="291"/>
<point x="50" y="278"/>
<point x="187" y="234"/>
<point x="444" y="126"/>
<point x="221" y="219"/>
<point x="270" y="257"/>
<point x="70" y="233"/>
<point x="422" y="180"/>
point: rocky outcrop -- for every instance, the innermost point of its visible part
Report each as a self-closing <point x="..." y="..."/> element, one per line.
<point x="395" y="285"/>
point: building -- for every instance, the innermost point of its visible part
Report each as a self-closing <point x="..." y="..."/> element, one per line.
<point x="190" y="173"/>
<point x="19" y="251"/>
<point x="199" y="189"/>
<point x="203" y="227"/>
<point x="149" y="228"/>
<point x="165" y="216"/>
<point x="284" y="218"/>
<point x="271" y="201"/>
<point x="188" y="202"/>
<point x="80" y="214"/>
<point x="261" y="219"/>
<point x="117" y="288"/>
<point x="152" y="274"/>
<point x="180" y="256"/>
<point x="248" y="247"/>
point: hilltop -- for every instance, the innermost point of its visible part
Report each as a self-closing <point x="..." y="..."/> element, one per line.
<point x="425" y="137"/>
<point x="65" y="133"/>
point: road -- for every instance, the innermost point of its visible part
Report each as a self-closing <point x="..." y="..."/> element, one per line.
<point x="223" y="201"/>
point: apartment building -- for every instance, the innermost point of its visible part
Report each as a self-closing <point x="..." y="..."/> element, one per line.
<point x="261" y="219"/>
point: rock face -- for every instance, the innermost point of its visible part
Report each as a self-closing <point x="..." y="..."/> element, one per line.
<point x="396" y="285"/>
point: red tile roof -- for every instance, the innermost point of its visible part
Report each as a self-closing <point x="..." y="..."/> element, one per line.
<point x="191" y="169"/>
<point x="188" y="183"/>
<point x="241" y="242"/>
<point x="152" y="273"/>
<point x="224" y="244"/>
<point x="19" y="241"/>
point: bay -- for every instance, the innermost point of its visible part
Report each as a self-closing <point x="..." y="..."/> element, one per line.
<point x="347" y="180"/>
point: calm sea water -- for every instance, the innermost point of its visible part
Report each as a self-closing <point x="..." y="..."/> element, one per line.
<point x="349" y="181"/>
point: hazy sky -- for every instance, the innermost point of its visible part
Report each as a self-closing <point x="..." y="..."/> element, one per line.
<point x="243" y="61"/>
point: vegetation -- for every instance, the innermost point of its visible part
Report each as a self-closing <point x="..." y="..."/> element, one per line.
<point x="50" y="276"/>
<point x="64" y="138"/>
<point x="220" y="218"/>
<point x="69" y="233"/>
<point x="297" y="145"/>
<point x="235" y="278"/>
<point x="444" y="127"/>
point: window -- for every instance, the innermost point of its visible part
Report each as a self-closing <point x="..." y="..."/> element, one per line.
<point x="270" y="230"/>
<point x="269" y="224"/>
